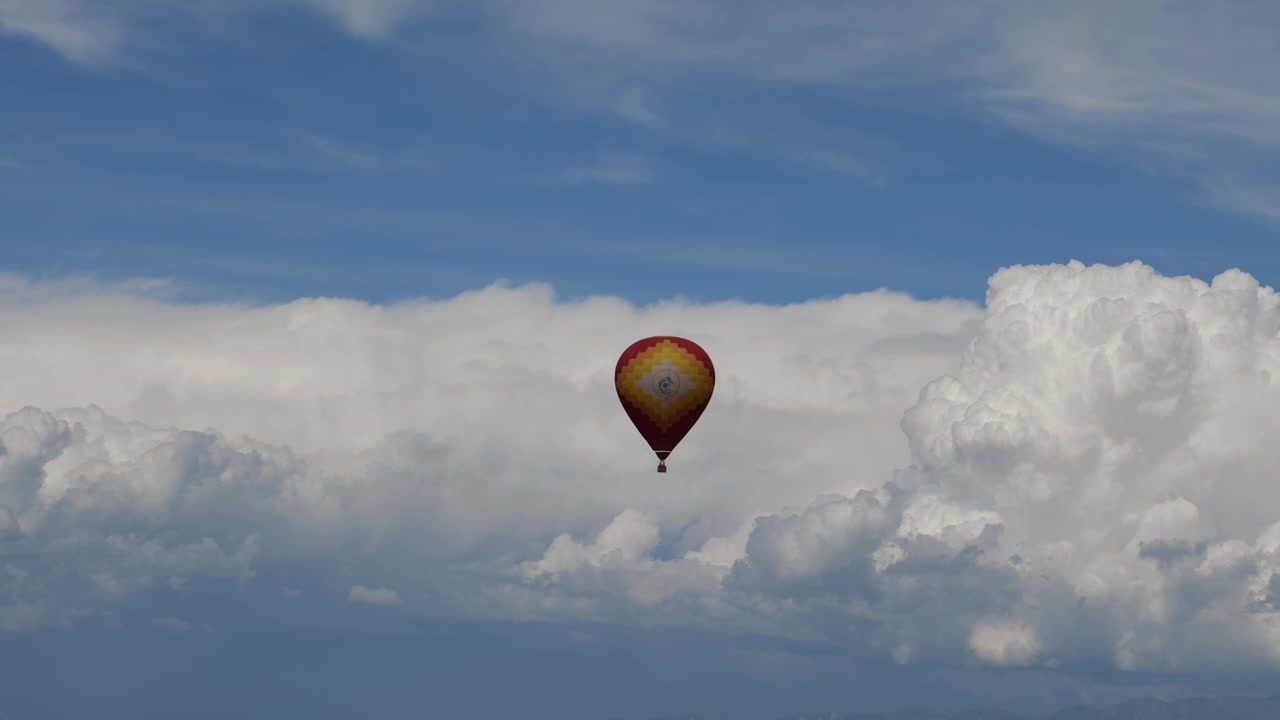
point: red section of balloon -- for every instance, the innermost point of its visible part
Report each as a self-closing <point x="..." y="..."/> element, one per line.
<point x="664" y="384"/>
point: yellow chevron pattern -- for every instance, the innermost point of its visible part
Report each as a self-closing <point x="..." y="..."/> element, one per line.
<point x="665" y="382"/>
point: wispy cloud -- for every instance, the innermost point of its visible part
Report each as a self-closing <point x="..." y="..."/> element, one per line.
<point x="844" y="164"/>
<point x="81" y="31"/>
<point x="1257" y="199"/>
<point x="1175" y="88"/>
<point x="606" y="169"/>
<point x="1180" y="87"/>
<point x="92" y="33"/>
<point x="8" y="163"/>
<point x="370" y="19"/>
<point x="330" y="150"/>
<point x="639" y="106"/>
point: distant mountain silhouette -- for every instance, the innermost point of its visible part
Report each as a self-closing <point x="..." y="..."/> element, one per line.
<point x="1216" y="708"/>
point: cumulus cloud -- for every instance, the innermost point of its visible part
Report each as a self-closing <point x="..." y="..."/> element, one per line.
<point x="447" y="436"/>
<point x="1091" y="487"/>
<point x="1004" y="643"/>
<point x="1082" y="477"/>
<point x="628" y="537"/>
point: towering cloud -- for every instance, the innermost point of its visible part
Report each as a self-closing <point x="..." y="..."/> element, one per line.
<point x="1082" y="476"/>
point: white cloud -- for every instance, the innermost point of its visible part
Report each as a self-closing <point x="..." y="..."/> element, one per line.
<point x="372" y="596"/>
<point x="1004" y="644"/>
<point x="629" y="537"/>
<point x="1096" y="476"/>
<point x="1089" y="480"/>
<point x="418" y="434"/>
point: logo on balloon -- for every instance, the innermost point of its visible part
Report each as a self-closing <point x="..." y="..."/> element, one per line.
<point x="666" y="383"/>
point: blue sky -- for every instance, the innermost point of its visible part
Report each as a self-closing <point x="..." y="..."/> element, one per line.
<point x="268" y="152"/>
<point x="272" y="441"/>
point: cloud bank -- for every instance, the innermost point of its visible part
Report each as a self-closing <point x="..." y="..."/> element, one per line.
<point x="1081" y="479"/>
<point x="457" y="438"/>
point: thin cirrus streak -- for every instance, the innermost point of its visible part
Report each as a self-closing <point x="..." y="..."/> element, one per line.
<point x="1152" y="84"/>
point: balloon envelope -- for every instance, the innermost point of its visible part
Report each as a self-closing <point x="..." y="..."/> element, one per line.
<point x="664" y="383"/>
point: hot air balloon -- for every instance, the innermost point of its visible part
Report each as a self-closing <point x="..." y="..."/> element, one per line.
<point x="664" y="384"/>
